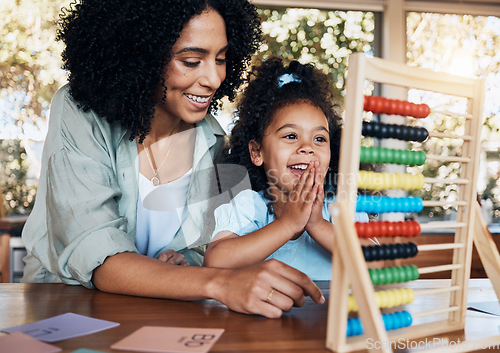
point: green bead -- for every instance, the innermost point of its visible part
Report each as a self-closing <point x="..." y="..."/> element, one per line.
<point x="415" y="273"/>
<point x="373" y="276"/>
<point x="405" y="157"/>
<point x="363" y="154"/>
<point x="389" y="278"/>
<point x="396" y="274"/>
<point x="383" y="155"/>
<point x="397" y="156"/>
<point x="382" y="276"/>
<point x="390" y="155"/>
<point x="412" y="158"/>
<point x="421" y="157"/>
<point x="403" y="274"/>
<point x="373" y="155"/>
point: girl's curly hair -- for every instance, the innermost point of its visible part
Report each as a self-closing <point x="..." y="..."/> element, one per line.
<point x="116" y="51"/>
<point x="264" y="96"/>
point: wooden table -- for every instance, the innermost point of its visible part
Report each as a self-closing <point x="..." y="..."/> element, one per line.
<point x="301" y="330"/>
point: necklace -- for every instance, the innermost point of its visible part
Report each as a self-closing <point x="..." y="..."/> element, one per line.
<point x="155" y="180"/>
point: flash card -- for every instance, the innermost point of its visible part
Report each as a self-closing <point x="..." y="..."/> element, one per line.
<point x="62" y="327"/>
<point x="170" y="340"/>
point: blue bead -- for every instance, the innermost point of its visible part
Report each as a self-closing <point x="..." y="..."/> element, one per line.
<point x="419" y="204"/>
<point x="406" y="319"/>
<point x="388" y="321"/>
<point x="354" y="327"/>
<point x="394" y="204"/>
<point x="406" y="204"/>
<point x="398" y="322"/>
<point x="359" y="327"/>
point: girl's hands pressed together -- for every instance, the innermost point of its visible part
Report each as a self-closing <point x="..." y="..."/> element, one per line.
<point x="317" y="206"/>
<point x="319" y="228"/>
<point x="297" y="210"/>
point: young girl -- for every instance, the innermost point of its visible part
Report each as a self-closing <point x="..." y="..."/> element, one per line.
<point x="288" y="137"/>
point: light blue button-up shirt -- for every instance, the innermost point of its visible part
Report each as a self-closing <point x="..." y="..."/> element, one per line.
<point x="86" y="203"/>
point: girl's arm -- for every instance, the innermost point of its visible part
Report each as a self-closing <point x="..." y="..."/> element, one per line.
<point x="323" y="233"/>
<point x="229" y="250"/>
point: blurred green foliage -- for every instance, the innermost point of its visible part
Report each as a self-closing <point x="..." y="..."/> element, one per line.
<point x="30" y="74"/>
<point x="18" y="194"/>
<point x="324" y="38"/>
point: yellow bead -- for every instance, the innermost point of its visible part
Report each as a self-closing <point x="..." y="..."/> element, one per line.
<point x="351" y="304"/>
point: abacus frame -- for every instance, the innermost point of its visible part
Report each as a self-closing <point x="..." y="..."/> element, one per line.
<point x="347" y="251"/>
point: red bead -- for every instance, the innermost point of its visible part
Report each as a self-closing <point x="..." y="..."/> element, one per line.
<point x="391" y="229"/>
<point x="400" y="107"/>
<point x="359" y="229"/>
<point x="391" y="106"/>
<point x="404" y="229"/>
<point x="426" y="110"/>
<point x="377" y="104"/>
<point x="416" y="228"/>
<point x="383" y="228"/>
<point x="367" y="103"/>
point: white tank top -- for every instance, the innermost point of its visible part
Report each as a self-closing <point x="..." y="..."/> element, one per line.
<point x="160" y="212"/>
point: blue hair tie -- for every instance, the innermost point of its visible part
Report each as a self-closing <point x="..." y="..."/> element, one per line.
<point x="287" y="78"/>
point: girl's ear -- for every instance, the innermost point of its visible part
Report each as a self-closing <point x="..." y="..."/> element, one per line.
<point x="255" y="155"/>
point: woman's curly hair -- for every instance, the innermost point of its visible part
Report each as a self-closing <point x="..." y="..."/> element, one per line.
<point x="116" y="51"/>
<point x="263" y="97"/>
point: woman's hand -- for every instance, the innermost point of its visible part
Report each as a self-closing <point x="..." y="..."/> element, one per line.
<point x="268" y="288"/>
<point x="172" y="257"/>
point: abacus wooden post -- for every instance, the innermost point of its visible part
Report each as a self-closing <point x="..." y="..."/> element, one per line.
<point x="363" y="291"/>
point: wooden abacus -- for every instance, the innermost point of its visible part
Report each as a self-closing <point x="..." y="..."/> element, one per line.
<point x="349" y="266"/>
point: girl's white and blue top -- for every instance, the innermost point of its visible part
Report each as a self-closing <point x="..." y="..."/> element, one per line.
<point x="250" y="210"/>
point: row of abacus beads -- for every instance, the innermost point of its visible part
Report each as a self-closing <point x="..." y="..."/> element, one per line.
<point x="379" y="181"/>
<point x="381" y="105"/>
<point x="391" y="275"/>
<point x="389" y="251"/>
<point x="392" y="321"/>
<point x="386" y="298"/>
<point x="395" y="131"/>
<point x="387" y="229"/>
<point x="382" y="204"/>
<point x="390" y="155"/>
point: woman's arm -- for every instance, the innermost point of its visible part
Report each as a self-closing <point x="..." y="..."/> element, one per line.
<point x="244" y="290"/>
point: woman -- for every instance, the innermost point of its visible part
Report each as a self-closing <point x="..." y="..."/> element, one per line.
<point x="143" y="76"/>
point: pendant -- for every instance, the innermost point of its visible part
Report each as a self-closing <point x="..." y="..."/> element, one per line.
<point x="155" y="181"/>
